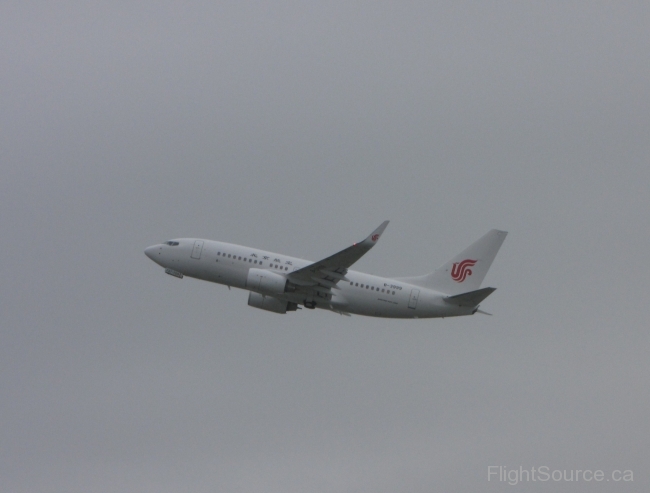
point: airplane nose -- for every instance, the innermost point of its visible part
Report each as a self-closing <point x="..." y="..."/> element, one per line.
<point x="150" y="251"/>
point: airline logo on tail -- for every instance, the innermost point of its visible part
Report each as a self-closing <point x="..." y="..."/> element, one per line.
<point x="460" y="270"/>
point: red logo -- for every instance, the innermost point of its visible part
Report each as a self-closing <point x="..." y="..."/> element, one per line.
<point x="461" y="270"/>
<point x="375" y="237"/>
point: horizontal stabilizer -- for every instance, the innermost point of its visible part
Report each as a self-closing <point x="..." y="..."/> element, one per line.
<point x="471" y="298"/>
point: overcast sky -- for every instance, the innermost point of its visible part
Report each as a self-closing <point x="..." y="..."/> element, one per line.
<point x="298" y="127"/>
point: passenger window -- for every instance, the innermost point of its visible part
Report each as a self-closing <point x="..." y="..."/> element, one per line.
<point x="255" y="261"/>
<point x="362" y="285"/>
<point x="393" y="292"/>
<point x="228" y="255"/>
<point x="372" y="288"/>
<point x="367" y="286"/>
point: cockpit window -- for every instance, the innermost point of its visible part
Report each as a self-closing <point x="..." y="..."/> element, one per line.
<point x="171" y="243"/>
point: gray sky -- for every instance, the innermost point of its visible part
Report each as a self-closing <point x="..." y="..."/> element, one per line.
<point x="298" y="128"/>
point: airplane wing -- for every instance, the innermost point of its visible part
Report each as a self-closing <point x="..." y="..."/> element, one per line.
<point x="322" y="276"/>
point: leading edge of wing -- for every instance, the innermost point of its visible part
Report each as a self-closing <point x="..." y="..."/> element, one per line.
<point x="333" y="268"/>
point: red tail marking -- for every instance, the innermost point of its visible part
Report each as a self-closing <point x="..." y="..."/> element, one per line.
<point x="461" y="270"/>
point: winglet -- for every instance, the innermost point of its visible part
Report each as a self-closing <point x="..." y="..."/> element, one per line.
<point x="375" y="235"/>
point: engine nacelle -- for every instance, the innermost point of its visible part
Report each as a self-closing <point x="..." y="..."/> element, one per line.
<point x="270" y="303"/>
<point x="265" y="281"/>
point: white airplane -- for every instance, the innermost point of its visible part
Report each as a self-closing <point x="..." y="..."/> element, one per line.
<point x="279" y="283"/>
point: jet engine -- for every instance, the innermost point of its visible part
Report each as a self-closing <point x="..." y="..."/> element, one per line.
<point x="270" y="303"/>
<point x="265" y="281"/>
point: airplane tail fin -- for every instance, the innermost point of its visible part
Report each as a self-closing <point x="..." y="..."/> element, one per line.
<point x="466" y="271"/>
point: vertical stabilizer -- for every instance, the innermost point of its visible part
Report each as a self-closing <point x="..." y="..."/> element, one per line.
<point x="466" y="271"/>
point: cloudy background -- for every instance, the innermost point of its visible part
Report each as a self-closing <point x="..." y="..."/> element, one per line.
<point x="298" y="127"/>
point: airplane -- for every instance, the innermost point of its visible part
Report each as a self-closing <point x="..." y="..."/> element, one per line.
<point x="280" y="284"/>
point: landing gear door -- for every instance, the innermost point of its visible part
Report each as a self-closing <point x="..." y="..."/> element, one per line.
<point x="198" y="248"/>
<point x="413" y="300"/>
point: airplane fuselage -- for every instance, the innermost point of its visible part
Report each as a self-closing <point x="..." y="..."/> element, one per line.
<point x="357" y="293"/>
